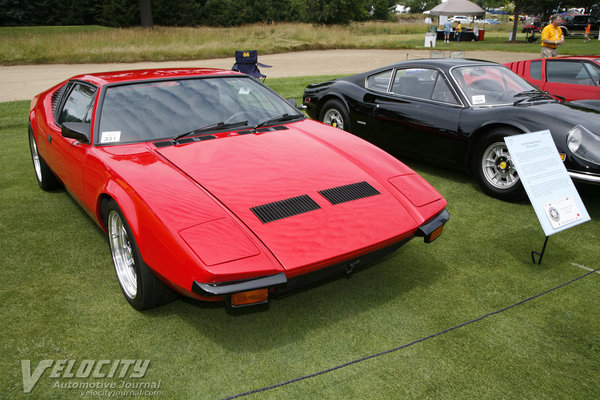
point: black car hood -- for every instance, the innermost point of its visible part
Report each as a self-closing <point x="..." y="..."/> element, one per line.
<point x="558" y="116"/>
<point x="588" y="104"/>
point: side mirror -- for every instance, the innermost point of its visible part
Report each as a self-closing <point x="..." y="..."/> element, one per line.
<point x="76" y="130"/>
<point x="295" y="105"/>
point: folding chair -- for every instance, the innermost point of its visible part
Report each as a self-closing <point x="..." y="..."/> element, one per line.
<point x="246" y="61"/>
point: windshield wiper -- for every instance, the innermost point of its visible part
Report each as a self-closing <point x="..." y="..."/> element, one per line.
<point x="531" y="95"/>
<point x="281" y="118"/>
<point x="211" y="127"/>
<point x="528" y="93"/>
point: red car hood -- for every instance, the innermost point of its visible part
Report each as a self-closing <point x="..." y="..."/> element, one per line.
<point x="249" y="171"/>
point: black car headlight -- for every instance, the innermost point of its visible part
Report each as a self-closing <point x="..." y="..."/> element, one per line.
<point x="584" y="144"/>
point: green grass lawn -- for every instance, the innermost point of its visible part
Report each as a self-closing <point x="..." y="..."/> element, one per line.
<point x="61" y="300"/>
<point x="97" y="44"/>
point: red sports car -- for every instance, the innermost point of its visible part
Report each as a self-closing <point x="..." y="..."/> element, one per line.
<point x="210" y="185"/>
<point x="569" y="77"/>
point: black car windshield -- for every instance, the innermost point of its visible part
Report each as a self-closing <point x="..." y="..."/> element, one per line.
<point x="490" y="85"/>
<point x="148" y="111"/>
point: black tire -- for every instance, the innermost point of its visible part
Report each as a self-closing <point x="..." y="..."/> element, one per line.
<point x="43" y="174"/>
<point x="334" y="113"/>
<point x="142" y="289"/>
<point x="493" y="168"/>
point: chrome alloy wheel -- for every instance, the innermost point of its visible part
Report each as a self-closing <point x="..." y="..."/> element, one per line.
<point x="122" y="254"/>
<point x="497" y="166"/>
<point x="37" y="166"/>
<point x="334" y="118"/>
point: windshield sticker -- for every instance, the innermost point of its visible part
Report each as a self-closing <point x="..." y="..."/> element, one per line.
<point x="110" y="136"/>
<point x="479" y="99"/>
<point x="244" y="91"/>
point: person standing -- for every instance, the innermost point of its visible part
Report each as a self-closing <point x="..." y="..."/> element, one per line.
<point x="588" y="28"/>
<point x="552" y="37"/>
<point x="458" y="31"/>
<point x="447" y="30"/>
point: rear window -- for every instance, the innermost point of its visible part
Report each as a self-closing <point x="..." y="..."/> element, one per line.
<point x="535" y="70"/>
<point x="379" y="82"/>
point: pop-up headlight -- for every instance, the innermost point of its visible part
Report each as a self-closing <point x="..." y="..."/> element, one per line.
<point x="584" y="144"/>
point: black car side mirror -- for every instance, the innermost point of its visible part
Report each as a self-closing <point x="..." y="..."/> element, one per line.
<point x="76" y="130"/>
<point x="295" y="105"/>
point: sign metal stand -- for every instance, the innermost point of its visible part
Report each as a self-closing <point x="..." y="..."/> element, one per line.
<point x="541" y="255"/>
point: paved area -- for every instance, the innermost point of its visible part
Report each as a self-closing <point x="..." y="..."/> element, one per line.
<point x="22" y="82"/>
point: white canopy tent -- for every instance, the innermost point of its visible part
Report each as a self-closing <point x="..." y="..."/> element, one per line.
<point x="458" y="7"/>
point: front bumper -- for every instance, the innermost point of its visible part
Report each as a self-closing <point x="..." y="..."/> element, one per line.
<point x="583" y="177"/>
<point x="279" y="283"/>
<point x="227" y="288"/>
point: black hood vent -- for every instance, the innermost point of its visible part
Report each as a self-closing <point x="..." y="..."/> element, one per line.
<point x="168" y="143"/>
<point x="353" y="191"/>
<point x="262" y="130"/>
<point x="284" y="208"/>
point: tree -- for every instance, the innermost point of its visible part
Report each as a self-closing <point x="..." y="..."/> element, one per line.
<point x="545" y="8"/>
<point x="517" y="11"/>
<point x="381" y="8"/>
<point x="336" y="11"/>
<point x="118" y="13"/>
<point x="146" y="13"/>
<point x="418" y="6"/>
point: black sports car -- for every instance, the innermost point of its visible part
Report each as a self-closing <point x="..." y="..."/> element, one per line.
<point x="456" y="112"/>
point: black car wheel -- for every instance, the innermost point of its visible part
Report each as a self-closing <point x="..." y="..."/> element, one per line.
<point x="43" y="174"/>
<point x="334" y="113"/>
<point x="142" y="289"/>
<point x="494" y="168"/>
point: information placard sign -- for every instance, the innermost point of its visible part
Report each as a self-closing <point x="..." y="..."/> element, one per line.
<point x="551" y="191"/>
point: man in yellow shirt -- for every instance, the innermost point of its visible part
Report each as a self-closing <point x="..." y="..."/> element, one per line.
<point x="552" y="37"/>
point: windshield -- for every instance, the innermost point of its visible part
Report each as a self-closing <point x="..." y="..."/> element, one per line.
<point x="489" y="85"/>
<point x="165" y="109"/>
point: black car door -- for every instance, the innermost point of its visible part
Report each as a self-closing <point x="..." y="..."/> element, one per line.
<point x="419" y="115"/>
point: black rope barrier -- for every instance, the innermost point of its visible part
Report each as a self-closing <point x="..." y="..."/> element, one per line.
<point x="325" y="371"/>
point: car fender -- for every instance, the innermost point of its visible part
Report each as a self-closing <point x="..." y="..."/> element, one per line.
<point x="149" y="236"/>
<point x="331" y="96"/>
<point x="142" y="220"/>
<point x="480" y="133"/>
<point x="170" y="251"/>
<point x="34" y="125"/>
<point x="118" y="193"/>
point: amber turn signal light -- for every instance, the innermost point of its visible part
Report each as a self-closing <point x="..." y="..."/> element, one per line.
<point x="258" y="296"/>
<point x="435" y="234"/>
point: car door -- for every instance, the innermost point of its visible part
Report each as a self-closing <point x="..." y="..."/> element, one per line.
<point x="68" y="154"/>
<point x="572" y="79"/>
<point x="419" y="115"/>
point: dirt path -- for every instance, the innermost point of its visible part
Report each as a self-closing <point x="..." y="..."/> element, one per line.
<point x="22" y="82"/>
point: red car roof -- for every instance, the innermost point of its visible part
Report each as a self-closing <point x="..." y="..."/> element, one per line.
<point x="104" y="78"/>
